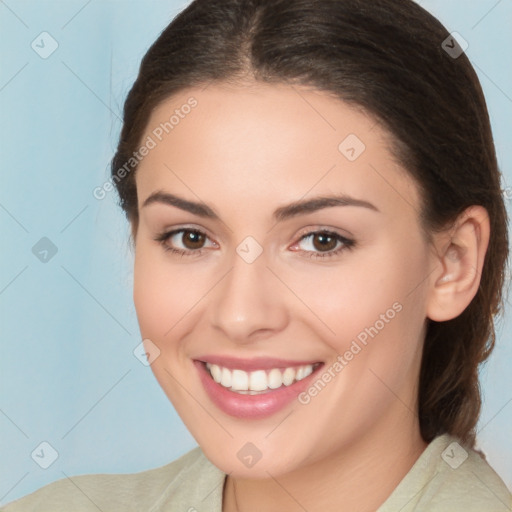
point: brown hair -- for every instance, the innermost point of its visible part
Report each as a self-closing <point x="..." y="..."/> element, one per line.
<point x="386" y="56"/>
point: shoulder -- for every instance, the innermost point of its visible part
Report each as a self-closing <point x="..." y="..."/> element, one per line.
<point x="449" y="477"/>
<point x="175" y="486"/>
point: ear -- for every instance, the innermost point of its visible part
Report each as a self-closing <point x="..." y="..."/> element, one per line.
<point x="458" y="260"/>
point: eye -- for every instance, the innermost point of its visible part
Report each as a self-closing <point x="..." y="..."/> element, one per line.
<point x="184" y="241"/>
<point x="315" y="244"/>
<point x="323" y="244"/>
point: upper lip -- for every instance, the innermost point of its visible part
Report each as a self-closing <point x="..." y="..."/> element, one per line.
<point x="255" y="363"/>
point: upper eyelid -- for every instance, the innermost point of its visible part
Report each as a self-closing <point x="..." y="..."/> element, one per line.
<point x="168" y="233"/>
<point x="312" y="231"/>
<point x="179" y="229"/>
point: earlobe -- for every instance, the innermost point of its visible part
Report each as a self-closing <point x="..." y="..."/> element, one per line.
<point x="459" y="262"/>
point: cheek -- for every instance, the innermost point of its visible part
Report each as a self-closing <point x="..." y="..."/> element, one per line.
<point x="376" y="297"/>
<point x="344" y="299"/>
<point x="167" y="295"/>
<point x="161" y="297"/>
<point x="158" y="296"/>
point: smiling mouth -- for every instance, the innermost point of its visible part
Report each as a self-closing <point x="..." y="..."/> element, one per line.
<point x="259" y="381"/>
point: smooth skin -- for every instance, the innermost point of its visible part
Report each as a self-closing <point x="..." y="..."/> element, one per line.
<point x="246" y="150"/>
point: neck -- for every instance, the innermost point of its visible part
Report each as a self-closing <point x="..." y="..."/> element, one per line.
<point x="358" y="477"/>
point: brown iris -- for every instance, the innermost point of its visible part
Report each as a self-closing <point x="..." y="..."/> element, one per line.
<point x="193" y="239"/>
<point x="326" y="242"/>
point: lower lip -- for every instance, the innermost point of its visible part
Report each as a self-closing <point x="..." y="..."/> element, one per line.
<point x="251" y="406"/>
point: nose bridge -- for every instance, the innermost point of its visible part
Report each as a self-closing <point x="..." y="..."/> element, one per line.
<point x="247" y="300"/>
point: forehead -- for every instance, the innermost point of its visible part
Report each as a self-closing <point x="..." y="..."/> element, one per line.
<point x="242" y="143"/>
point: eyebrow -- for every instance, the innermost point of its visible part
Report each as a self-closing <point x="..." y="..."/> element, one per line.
<point x="280" y="214"/>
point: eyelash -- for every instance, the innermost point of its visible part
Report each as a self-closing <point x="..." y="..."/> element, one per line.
<point x="348" y="244"/>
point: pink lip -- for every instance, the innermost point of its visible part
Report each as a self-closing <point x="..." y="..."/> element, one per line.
<point x="251" y="406"/>
<point x="256" y="363"/>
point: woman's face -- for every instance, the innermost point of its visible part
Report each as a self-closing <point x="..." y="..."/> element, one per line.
<point x="243" y="262"/>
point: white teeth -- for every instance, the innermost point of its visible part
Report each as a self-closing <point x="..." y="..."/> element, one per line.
<point x="240" y="381"/>
<point x="288" y="376"/>
<point x="275" y="380"/>
<point x="308" y="370"/>
<point x="257" y="381"/>
<point x="226" y="378"/>
<point x="216" y="372"/>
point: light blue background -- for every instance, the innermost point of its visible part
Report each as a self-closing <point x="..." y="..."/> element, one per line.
<point x="68" y="326"/>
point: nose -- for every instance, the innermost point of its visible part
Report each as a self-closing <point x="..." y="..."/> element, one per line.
<point x="249" y="302"/>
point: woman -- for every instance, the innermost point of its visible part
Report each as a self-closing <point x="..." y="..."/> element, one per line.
<point x="320" y="243"/>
